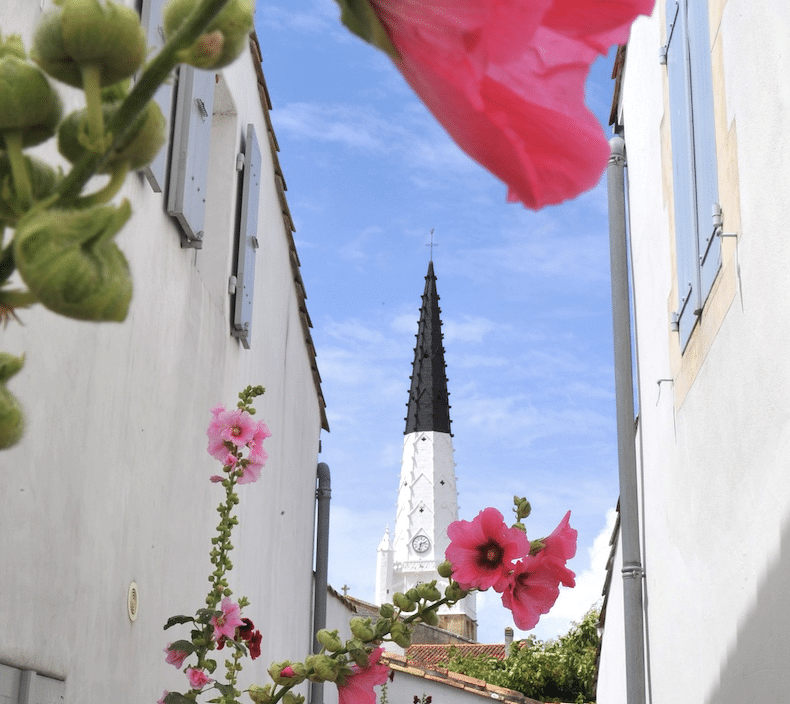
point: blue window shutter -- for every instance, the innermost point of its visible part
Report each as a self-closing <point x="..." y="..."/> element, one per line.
<point x="151" y="18"/>
<point x="705" y="169"/>
<point x="680" y="122"/>
<point x="248" y="239"/>
<point x="186" y="196"/>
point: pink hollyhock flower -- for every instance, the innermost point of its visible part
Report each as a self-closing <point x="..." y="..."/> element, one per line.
<point x="482" y="551"/>
<point x="251" y="471"/>
<point x="534" y="585"/>
<point x="507" y="79"/>
<point x="561" y="547"/>
<point x="531" y="591"/>
<point x="176" y="657"/>
<point x="235" y="426"/>
<point x="197" y="678"/>
<point x="226" y="623"/>
<point x="287" y="671"/>
<point x="358" y="688"/>
<point x="260" y="434"/>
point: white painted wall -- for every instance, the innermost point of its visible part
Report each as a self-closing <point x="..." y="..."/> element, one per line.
<point x="715" y="494"/>
<point x="110" y="483"/>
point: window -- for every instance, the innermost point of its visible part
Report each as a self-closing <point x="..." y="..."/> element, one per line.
<point x="28" y="687"/>
<point x="687" y="55"/>
<point x="247" y="244"/>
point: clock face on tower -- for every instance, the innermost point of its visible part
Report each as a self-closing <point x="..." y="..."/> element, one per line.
<point x="421" y="543"/>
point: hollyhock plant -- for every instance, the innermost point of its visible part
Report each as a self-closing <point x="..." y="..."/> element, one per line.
<point x="358" y="688"/>
<point x="482" y="550"/>
<point x="226" y="623"/>
<point x="506" y="80"/>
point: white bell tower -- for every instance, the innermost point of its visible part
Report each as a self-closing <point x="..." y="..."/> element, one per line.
<point x="427" y="497"/>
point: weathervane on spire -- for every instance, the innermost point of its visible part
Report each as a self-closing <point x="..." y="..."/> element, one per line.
<point x="432" y="244"/>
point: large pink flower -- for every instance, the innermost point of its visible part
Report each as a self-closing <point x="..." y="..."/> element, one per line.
<point x="561" y="547"/>
<point x="197" y="678"/>
<point x="534" y="585"/>
<point x="176" y="657"/>
<point x="358" y="688"/>
<point x="225" y="624"/>
<point x="531" y="591"/>
<point x="235" y="426"/>
<point x="506" y="79"/>
<point x="482" y="550"/>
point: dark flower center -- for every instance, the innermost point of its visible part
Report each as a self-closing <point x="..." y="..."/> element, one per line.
<point x="490" y="555"/>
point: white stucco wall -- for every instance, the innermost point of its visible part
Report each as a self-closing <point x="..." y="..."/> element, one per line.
<point x="716" y="499"/>
<point x="110" y="483"/>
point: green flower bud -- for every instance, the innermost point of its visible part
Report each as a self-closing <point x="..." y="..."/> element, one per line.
<point x="290" y="698"/>
<point x="523" y="508"/>
<point x="454" y="592"/>
<point x="43" y="182"/>
<point x="361" y="628"/>
<point x="12" y="420"/>
<point x="445" y="569"/>
<point x="137" y="149"/>
<point x="329" y="640"/>
<point x="387" y="610"/>
<point x="69" y="262"/>
<point x="401" y="634"/>
<point x="224" y="39"/>
<point x="430" y="617"/>
<point x="260" y="695"/>
<point x="429" y="591"/>
<point x="383" y="626"/>
<point x="535" y="546"/>
<point x="28" y="104"/>
<point x="322" y="668"/>
<point x="287" y="673"/>
<point x="413" y="594"/>
<point x="87" y="33"/>
<point x="359" y="655"/>
<point x="403" y="602"/>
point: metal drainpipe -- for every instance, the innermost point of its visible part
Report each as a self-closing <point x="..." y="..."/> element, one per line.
<point x="322" y="495"/>
<point x="626" y="447"/>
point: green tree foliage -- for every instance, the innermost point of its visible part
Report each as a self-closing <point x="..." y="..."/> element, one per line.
<point x="555" y="670"/>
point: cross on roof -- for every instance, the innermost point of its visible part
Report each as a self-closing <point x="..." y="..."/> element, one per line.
<point x="432" y="244"/>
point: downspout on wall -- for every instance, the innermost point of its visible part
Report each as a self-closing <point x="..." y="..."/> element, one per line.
<point x="626" y="446"/>
<point x="323" y="494"/>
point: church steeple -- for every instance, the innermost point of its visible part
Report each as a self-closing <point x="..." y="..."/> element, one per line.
<point x="427" y="497"/>
<point x="428" y="406"/>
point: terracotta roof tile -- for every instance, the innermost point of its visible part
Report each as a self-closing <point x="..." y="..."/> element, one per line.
<point x="432" y="655"/>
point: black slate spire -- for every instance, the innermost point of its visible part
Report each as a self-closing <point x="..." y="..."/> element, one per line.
<point x="428" y="406"/>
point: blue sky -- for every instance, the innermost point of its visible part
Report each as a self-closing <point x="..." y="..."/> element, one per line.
<point x="525" y="305"/>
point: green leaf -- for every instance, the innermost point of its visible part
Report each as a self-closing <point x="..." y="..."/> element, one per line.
<point x="226" y="689"/>
<point x="173" y="620"/>
<point x="183" y="646"/>
<point x="176" y="698"/>
<point x="360" y="17"/>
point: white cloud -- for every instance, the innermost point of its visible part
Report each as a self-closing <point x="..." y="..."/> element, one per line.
<point x="467" y="329"/>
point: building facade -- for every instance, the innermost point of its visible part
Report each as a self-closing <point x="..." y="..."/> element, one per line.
<point x="427" y="496"/>
<point x="702" y="105"/>
<point x="106" y="508"/>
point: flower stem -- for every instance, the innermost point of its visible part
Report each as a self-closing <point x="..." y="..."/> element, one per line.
<point x="91" y="86"/>
<point x="13" y="145"/>
<point x="108" y="192"/>
<point x="152" y="77"/>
